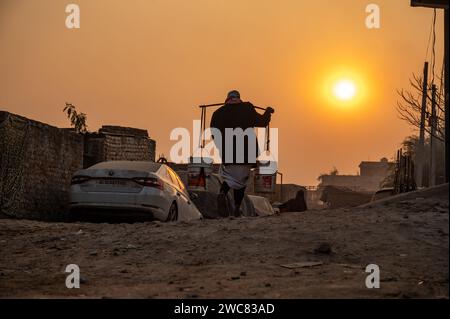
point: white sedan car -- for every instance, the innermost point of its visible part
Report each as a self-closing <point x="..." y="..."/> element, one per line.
<point x="121" y="188"/>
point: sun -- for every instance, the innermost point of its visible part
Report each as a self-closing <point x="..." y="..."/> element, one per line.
<point x="344" y="90"/>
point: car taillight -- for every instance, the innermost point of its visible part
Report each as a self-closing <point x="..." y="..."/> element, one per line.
<point x="150" y="182"/>
<point x="79" y="179"/>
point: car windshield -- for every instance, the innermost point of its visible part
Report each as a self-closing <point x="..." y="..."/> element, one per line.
<point x="128" y="165"/>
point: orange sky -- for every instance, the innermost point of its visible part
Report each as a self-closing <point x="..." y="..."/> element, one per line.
<point x="149" y="63"/>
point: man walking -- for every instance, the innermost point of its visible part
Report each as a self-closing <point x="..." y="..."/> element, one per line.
<point x="240" y="118"/>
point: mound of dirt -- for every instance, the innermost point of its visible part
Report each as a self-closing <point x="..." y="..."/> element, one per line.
<point x="417" y="200"/>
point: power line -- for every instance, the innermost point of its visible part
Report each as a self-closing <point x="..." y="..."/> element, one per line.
<point x="429" y="39"/>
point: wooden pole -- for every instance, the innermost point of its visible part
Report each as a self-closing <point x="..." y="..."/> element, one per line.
<point x="420" y="156"/>
<point x="433" y="123"/>
<point x="446" y="75"/>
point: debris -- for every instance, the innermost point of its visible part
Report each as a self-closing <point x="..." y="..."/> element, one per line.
<point x="79" y="232"/>
<point x="304" y="264"/>
<point x="323" y="248"/>
<point x="388" y="279"/>
<point x="93" y="253"/>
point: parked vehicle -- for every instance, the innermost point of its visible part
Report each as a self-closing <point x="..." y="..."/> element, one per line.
<point x="131" y="188"/>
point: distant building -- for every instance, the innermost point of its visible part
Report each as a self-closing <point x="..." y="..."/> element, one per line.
<point x="370" y="178"/>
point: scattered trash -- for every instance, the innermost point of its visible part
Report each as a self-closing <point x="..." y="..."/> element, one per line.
<point x="79" y="232"/>
<point x="304" y="264"/>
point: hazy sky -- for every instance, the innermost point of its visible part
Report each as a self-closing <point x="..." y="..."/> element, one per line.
<point x="149" y="63"/>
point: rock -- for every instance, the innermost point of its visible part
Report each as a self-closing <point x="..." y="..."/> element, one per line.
<point x="93" y="253"/>
<point x="323" y="248"/>
<point x="304" y="264"/>
<point x="243" y="273"/>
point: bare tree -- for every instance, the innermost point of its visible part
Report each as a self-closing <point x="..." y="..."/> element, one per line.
<point x="410" y="106"/>
<point x="77" y="120"/>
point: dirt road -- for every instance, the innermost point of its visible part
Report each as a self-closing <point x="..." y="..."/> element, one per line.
<point x="241" y="258"/>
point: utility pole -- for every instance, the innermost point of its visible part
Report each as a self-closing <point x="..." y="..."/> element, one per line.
<point x="442" y="4"/>
<point x="420" y="156"/>
<point x="446" y="76"/>
<point x="433" y="124"/>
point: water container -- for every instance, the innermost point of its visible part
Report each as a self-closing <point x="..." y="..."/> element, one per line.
<point x="265" y="178"/>
<point x="198" y="171"/>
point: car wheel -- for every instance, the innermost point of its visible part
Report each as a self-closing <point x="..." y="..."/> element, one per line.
<point x="173" y="213"/>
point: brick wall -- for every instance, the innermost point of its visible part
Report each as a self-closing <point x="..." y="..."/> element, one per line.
<point x="114" y="143"/>
<point x="36" y="164"/>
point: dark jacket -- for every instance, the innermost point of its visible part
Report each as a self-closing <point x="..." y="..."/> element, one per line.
<point x="238" y="115"/>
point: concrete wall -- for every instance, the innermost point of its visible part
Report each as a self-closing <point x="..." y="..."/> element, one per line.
<point x="36" y="165"/>
<point x="353" y="182"/>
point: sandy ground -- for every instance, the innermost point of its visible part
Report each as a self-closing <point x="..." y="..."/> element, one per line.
<point x="237" y="258"/>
